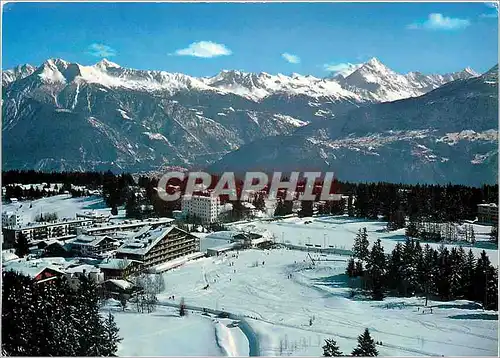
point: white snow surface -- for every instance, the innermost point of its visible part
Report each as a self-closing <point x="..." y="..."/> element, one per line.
<point x="278" y="309"/>
<point x="338" y="232"/>
<point x="63" y="205"/>
<point x="164" y="333"/>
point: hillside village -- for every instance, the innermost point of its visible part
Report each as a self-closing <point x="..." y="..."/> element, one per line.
<point x="142" y="262"/>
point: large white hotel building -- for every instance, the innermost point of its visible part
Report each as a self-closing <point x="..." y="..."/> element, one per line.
<point x="207" y="208"/>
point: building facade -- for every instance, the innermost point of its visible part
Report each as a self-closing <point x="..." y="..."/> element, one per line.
<point x="159" y="246"/>
<point x="487" y="213"/>
<point x="206" y="208"/>
<point x="12" y="219"/>
<point x="35" y="232"/>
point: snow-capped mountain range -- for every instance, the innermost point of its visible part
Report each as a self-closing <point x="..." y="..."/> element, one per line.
<point x="66" y="116"/>
<point x="371" y="81"/>
<point x="447" y="135"/>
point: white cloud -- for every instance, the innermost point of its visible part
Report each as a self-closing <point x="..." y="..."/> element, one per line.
<point x="439" y="22"/>
<point x="344" y="69"/>
<point x="100" y="50"/>
<point x="204" y="49"/>
<point x="494" y="13"/>
<point x="290" y="58"/>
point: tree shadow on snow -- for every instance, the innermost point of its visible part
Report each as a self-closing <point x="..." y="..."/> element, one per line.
<point x="463" y="306"/>
<point x="481" y="316"/>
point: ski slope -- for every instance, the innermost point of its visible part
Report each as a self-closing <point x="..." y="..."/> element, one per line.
<point x="339" y="232"/>
<point x="164" y="333"/>
<point x="279" y="308"/>
<point x="63" y="205"/>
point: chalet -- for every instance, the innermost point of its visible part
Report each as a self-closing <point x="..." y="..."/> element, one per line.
<point x="93" y="246"/>
<point x="114" y="268"/>
<point x="54" y="249"/>
<point x="115" y="288"/>
<point x="47" y="274"/>
<point x="158" y="246"/>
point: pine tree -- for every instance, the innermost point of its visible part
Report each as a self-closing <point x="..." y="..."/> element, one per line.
<point x="306" y="209"/>
<point x="364" y="245"/>
<point x="350" y="270"/>
<point x="350" y="206"/>
<point x="394" y="268"/>
<point x="467" y="276"/>
<point x="21" y="245"/>
<point x="411" y="229"/>
<point x="114" y="210"/>
<point x="376" y="271"/>
<point x="111" y="337"/>
<point x="366" y="346"/>
<point x="330" y="349"/>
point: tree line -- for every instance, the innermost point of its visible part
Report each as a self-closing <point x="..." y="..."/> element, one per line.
<point x="410" y="269"/>
<point x="366" y="347"/>
<point x="53" y="319"/>
<point x="392" y="202"/>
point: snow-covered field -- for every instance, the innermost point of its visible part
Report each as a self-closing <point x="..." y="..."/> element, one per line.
<point x="339" y="232"/>
<point x="63" y="205"/>
<point x="279" y="308"/>
<point x="164" y="333"/>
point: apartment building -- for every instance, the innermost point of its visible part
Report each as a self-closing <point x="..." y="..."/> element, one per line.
<point x="12" y="219"/>
<point x="35" y="232"/>
<point x="158" y="246"/>
<point x="487" y="213"/>
<point x="206" y="208"/>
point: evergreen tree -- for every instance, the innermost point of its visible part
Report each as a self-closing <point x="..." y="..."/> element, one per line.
<point x="306" y="208"/>
<point x="359" y="270"/>
<point x="131" y="207"/>
<point x="21" y="245"/>
<point x="259" y="202"/>
<point x="330" y="349"/>
<point x="396" y="220"/>
<point x="114" y="210"/>
<point x="394" y="270"/>
<point x="350" y="270"/>
<point x="52" y="319"/>
<point x="366" y="346"/>
<point x="411" y="229"/>
<point x="467" y="276"/>
<point x="350" y="206"/>
<point x="338" y="207"/>
<point x="280" y="208"/>
<point x="111" y="337"/>
<point x="376" y="271"/>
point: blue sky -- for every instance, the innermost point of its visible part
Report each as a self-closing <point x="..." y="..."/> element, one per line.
<point x="202" y="39"/>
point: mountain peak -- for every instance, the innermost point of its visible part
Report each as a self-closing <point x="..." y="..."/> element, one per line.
<point x="374" y="61"/>
<point x="470" y="71"/>
<point x="105" y="63"/>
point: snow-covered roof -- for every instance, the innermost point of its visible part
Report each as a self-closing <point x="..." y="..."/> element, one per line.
<point x="223" y="235"/>
<point x="8" y="255"/>
<point x="222" y="248"/>
<point x="490" y="205"/>
<point x="31" y="268"/>
<point x="133" y="224"/>
<point x="85" y="240"/>
<point x="140" y="245"/>
<point x="115" y="264"/>
<point x="83" y="268"/>
<point x="123" y="284"/>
